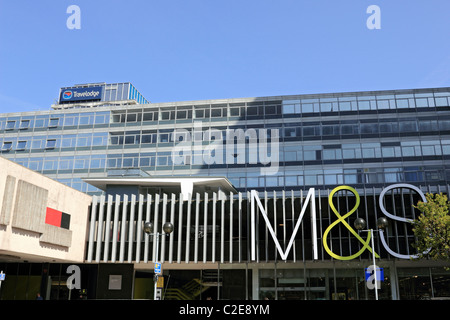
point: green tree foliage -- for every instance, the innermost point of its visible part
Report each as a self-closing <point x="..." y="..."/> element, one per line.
<point x="432" y="227"/>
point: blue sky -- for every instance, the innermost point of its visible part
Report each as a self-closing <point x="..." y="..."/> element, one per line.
<point x="175" y="50"/>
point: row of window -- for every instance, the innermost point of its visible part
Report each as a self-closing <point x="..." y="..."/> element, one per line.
<point x="287" y="107"/>
<point x="366" y="103"/>
<point x="356" y="128"/>
<point x="346" y="176"/>
<point x="343" y="152"/>
<point x="298" y="178"/>
<point x="288" y="132"/>
<point x="180" y="113"/>
<point x="366" y="150"/>
<point x="168" y="136"/>
<point x="54" y="121"/>
<point x="55" y="141"/>
<point x="287" y="153"/>
<point x="223" y="110"/>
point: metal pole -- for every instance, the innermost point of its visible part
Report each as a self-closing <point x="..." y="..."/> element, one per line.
<point x="156" y="261"/>
<point x="374" y="266"/>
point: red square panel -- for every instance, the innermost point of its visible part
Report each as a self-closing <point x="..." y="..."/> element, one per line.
<point x="53" y="217"/>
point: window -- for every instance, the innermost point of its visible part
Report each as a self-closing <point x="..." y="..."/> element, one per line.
<point x="129" y="139"/>
<point x="408" y="126"/>
<point x="24" y="124"/>
<point x="441" y="102"/>
<point x="421" y="103"/>
<point x="307" y="107"/>
<point x="364" y="105"/>
<point x="288" y="109"/>
<point x="53" y="122"/>
<point x="70" y="121"/>
<point x="291" y="180"/>
<point x="10" y="125"/>
<point x="289" y="132"/>
<point x="200" y="113"/>
<point x="148" y="138"/>
<point x="235" y="112"/>
<point x="216" y="112"/>
<point x="51" y="143"/>
<point x="85" y="119"/>
<point x="332" y="154"/>
<point x="68" y="141"/>
<point x="6" y="145"/>
<point x="21" y="145"/>
<point x="165" y="115"/>
<point x="271" y="110"/>
<point x="181" y="114"/>
<point x="164" y="137"/>
<point x="252" y="111"/>
<point x="148" y="116"/>
<point x="131" y="117"/>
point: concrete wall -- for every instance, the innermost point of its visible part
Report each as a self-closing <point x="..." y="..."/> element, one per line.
<point x="27" y="230"/>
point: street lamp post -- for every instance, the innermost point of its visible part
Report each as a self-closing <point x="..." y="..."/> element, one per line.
<point x="148" y="229"/>
<point x="360" y="224"/>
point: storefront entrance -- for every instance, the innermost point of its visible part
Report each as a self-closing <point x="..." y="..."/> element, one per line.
<point x="319" y="284"/>
<point x="196" y="284"/>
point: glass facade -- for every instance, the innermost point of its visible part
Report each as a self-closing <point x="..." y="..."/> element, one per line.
<point x="360" y="139"/>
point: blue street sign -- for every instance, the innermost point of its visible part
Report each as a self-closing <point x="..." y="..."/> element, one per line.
<point x="2" y="276"/>
<point x="369" y="274"/>
<point x="157" y="268"/>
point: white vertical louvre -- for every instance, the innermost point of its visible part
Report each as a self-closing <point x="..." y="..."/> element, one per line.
<point x="188" y="229"/>
<point x="172" y="220"/>
<point x="196" y="236"/>
<point x="92" y="228"/>
<point x="163" y="234"/>
<point x="240" y="227"/>
<point x="205" y="227"/>
<point x="222" y="230"/>
<point x="180" y="227"/>
<point x="123" y="229"/>
<point x="214" y="221"/>
<point x="147" y="219"/>
<point x="139" y="231"/>
<point x="107" y="228"/>
<point x="115" y="233"/>
<point x="155" y="226"/>
<point x="100" y="229"/>
<point x="231" y="227"/>
<point x="131" y="226"/>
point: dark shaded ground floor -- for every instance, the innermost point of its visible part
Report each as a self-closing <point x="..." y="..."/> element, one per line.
<point x="272" y="281"/>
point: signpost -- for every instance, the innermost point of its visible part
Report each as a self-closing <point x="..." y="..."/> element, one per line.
<point x="2" y="278"/>
<point x="158" y="291"/>
<point x="158" y="268"/>
<point x="374" y="275"/>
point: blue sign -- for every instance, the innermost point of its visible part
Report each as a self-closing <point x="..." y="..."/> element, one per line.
<point x="80" y="94"/>
<point x="158" y="268"/>
<point x="370" y="275"/>
<point x="2" y="276"/>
